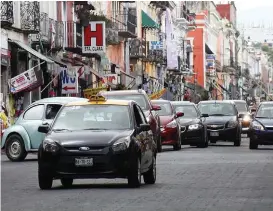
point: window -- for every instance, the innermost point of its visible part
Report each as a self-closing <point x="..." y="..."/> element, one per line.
<point x="139" y="120"/>
<point x="52" y="110"/>
<point x="265" y="111"/>
<point x="93" y="117"/>
<point x="217" y="109"/>
<point x="141" y="115"/>
<point x="138" y="98"/>
<point x="166" y="109"/>
<point x="34" y="113"/>
<point x="241" y="107"/>
<point x="188" y="110"/>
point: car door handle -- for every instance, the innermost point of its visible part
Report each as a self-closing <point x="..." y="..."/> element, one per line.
<point x="45" y="123"/>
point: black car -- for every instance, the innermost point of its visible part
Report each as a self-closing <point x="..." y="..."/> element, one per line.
<point x="243" y="109"/>
<point x="261" y="128"/>
<point x="193" y="131"/>
<point x="97" y="139"/>
<point x="223" y="121"/>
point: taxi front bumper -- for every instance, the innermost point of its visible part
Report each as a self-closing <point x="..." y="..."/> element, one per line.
<point x="104" y="165"/>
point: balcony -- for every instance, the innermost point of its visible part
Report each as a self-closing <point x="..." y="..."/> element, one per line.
<point x="43" y="35"/>
<point x="7" y="18"/>
<point x="73" y="38"/>
<point x="56" y="34"/>
<point x="30" y="17"/>
<point x="137" y="49"/>
<point x="163" y="4"/>
<point x="112" y="37"/>
<point x="127" y="23"/>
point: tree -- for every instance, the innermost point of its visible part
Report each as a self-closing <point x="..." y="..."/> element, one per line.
<point x="265" y="48"/>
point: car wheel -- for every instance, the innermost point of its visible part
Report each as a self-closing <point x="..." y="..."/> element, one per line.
<point x="45" y="180"/>
<point x="177" y="146"/>
<point x="237" y="142"/>
<point x="67" y="182"/>
<point x="150" y="176"/>
<point x="134" y="177"/>
<point x="15" y="148"/>
<point x="253" y="144"/>
<point x="159" y="144"/>
<point x="205" y="144"/>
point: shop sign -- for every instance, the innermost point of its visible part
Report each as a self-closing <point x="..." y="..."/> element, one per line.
<point x="94" y="37"/>
<point x="23" y="81"/>
<point x="89" y="92"/>
<point x="69" y="83"/>
<point x="155" y="45"/>
<point x="157" y="95"/>
<point x="210" y="65"/>
<point x="112" y="78"/>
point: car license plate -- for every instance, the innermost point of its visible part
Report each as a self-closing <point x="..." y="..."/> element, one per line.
<point x="214" y="134"/>
<point x="84" y="162"/>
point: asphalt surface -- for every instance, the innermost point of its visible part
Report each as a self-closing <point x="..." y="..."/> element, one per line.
<point x="219" y="178"/>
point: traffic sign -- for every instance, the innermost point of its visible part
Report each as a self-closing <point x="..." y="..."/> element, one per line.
<point x="69" y="83"/>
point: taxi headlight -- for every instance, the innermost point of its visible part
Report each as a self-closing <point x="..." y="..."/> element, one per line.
<point x="50" y="146"/>
<point x="257" y="126"/>
<point x="121" y="144"/>
<point x="232" y="124"/>
<point x="172" y="124"/>
<point x="194" y="127"/>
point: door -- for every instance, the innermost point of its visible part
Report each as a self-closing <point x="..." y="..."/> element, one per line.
<point x="32" y="119"/>
<point x="149" y="140"/>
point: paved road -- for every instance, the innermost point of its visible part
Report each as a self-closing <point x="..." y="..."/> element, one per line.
<point x="218" y="178"/>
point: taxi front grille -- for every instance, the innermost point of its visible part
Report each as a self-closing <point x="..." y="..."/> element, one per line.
<point x="91" y="148"/>
<point x="215" y="127"/>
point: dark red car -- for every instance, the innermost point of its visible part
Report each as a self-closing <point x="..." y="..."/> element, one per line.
<point x="169" y="126"/>
<point x="142" y="99"/>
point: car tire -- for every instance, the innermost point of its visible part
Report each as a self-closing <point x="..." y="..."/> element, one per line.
<point x="134" y="177"/>
<point x="177" y="146"/>
<point x="45" y="180"/>
<point x="159" y="144"/>
<point x="15" y="148"/>
<point x="67" y="182"/>
<point x="253" y="144"/>
<point x="213" y="141"/>
<point x="237" y="141"/>
<point x="150" y="176"/>
<point x="205" y="144"/>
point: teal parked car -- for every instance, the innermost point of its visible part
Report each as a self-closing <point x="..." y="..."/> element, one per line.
<point x="23" y="137"/>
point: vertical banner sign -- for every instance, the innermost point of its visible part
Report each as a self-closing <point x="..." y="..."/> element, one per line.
<point x="94" y="37"/>
<point x="69" y="83"/>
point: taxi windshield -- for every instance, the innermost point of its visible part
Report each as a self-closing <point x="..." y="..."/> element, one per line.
<point x="188" y="110"/>
<point x="138" y="98"/>
<point x="265" y="111"/>
<point x="217" y="109"/>
<point x="93" y="117"/>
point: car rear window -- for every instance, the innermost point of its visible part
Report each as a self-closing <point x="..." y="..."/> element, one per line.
<point x="138" y="98"/>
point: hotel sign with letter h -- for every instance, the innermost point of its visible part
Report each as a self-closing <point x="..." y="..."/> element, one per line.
<point x="94" y="37"/>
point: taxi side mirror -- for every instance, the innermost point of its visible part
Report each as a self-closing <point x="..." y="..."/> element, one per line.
<point x="145" y="127"/>
<point x="43" y="128"/>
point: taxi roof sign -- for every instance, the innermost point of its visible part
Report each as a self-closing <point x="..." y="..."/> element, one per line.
<point x="96" y="98"/>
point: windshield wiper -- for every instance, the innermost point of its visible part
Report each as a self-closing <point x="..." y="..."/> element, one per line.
<point x="95" y="129"/>
<point x="218" y="115"/>
<point x="263" y="117"/>
<point x="58" y="130"/>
